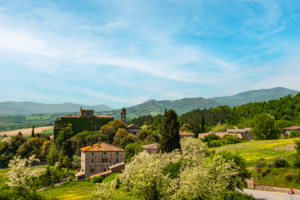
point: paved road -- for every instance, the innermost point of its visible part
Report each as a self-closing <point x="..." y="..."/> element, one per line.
<point x="263" y="195"/>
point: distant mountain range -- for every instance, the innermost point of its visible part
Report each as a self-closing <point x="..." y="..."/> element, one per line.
<point x="152" y="107"/>
<point x="11" y="107"/>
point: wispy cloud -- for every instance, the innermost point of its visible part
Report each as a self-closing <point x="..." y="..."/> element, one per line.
<point x="108" y="52"/>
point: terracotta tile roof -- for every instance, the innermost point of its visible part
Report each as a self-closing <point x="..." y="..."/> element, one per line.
<point x="154" y="146"/>
<point x="236" y="130"/>
<point x="102" y="173"/>
<point x="116" y="165"/>
<point x="221" y="134"/>
<point x="71" y="116"/>
<point x="292" y="128"/>
<point x="105" y="116"/>
<point x="103" y="147"/>
<point x="186" y="133"/>
<point x="217" y="132"/>
<point x="132" y="126"/>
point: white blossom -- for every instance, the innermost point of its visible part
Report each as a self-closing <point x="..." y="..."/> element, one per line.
<point x="104" y="191"/>
<point x="8" y="140"/>
<point x="19" y="175"/>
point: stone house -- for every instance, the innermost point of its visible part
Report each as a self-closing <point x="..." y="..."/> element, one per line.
<point x="184" y="133"/>
<point x="98" y="158"/>
<point x="240" y="133"/>
<point x="287" y="130"/>
<point x="133" y="129"/>
<point x="151" y="148"/>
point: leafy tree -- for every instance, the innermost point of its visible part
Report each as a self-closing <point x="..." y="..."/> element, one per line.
<point x="127" y="139"/>
<point x="264" y="127"/>
<point x="68" y="150"/>
<point x="63" y="135"/>
<point x="143" y="134"/>
<point x="53" y="155"/>
<point x="186" y="127"/>
<point x="45" y="149"/>
<point x="33" y="146"/>
<point x="76" y="161"/>
<point x="220" y="128"/>
<point x="240" y="162"/>
<point x="46" y="177"/>
<point x="153" y="137"/>
<point x="121" y="133"/>
<point x="112" y="127"/>
<point x="170" y="132"/>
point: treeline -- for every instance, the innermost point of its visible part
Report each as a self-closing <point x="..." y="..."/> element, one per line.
<point x="286" y="111"/>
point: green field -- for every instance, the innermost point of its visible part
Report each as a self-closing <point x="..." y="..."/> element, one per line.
<point x="266" y="149"/>
<point x="80" y="190"/>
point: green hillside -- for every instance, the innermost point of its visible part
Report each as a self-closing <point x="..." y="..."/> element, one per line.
<point x="11" y="107"/>
<point x="154" y="107"/>
<point x="254" y="95"/>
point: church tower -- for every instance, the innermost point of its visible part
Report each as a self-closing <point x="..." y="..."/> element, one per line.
<point x="123" y="115"/>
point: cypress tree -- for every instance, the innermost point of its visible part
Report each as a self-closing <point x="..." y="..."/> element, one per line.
<point x="202" y="124"/>
<point x="170" y="139"/>
<point x="32" y="132"/>
<point x="196" y="130"/>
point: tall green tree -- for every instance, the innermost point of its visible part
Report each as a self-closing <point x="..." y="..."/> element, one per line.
<point x="202" y="124"/>
<point x="32" y="132"/>
<point x="196" y="130"/>
<point x="68" y="150"/>
<point x="53" y="155"/>
<point x="264" y="127"/>
<point x="170" y="139"/>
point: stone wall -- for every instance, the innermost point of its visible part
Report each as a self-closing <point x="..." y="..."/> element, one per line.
<point x="97" y="165"/>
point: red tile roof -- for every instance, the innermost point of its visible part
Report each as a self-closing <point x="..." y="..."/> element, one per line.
<point x="154" y="146"/>
<point x="182" y="133"/>
<point x="132" y="126"/>
<point x="221" y="134"/>
<point x="236" y="130"/>
<point x="292" y="128"/>
<point x="105" y="116"/>
<point x="103" y="147"/>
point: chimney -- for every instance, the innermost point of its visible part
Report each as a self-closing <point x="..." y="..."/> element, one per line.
<point x="99" y="142"/>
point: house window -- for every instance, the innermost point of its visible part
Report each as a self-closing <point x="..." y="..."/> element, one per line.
<point x="92" y="153"/>
<point x="104" y="153"/>
<point x="117" y="153"/>
<point x="117" y="159"/>
<point x="92" y="170"/>
<point x="104" y="160"/>
<point x="92" y="160"/>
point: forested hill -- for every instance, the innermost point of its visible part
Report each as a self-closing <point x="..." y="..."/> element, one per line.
<point x="11" y="107"/>
<point x="153" y="107"/>
<point x="286" y="111"/>
<point x="254" y="96"/>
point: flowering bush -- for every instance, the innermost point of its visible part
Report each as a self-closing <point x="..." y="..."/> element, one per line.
<point x="289" y="176"/>
<point x="19" y="176"/>
<point x="105" y="191"/>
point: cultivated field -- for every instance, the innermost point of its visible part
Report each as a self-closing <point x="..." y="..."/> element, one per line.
<point x="26" y="131"/>
<point x="266" y="149"/>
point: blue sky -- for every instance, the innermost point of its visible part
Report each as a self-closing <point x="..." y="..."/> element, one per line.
<point x="128" y="51"/>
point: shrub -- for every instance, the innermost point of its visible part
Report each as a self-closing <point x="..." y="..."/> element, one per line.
<point x="215" y="143"/>
<point x="267" y="171"/>
<point x="173" y="169"/>
<point x="118" y="183"/>
<point x="294" y="134"/>
<point x="297" y="163"/>
<point x="97" y="179"/>
<point x="289" y="176"/>
<point x="88" y="179"/>
<point x="211" y="137"/>
<point x="262" y="162"/>
<point x="281" y="162"/>
<point x="66" y="182"/>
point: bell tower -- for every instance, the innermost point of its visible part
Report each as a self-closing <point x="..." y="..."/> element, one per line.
<point x="123" y="115"/>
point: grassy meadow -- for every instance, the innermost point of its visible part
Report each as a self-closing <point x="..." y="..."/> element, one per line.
<point x="266" y="149"/>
